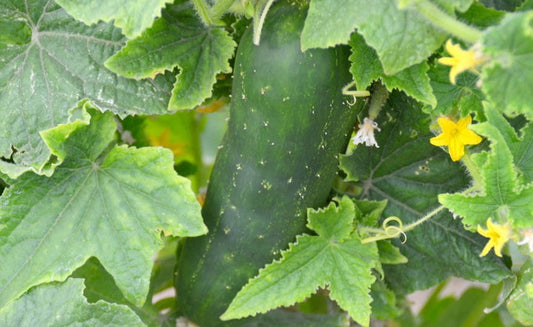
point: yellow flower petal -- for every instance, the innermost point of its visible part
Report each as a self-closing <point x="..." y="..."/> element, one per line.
<point x="456" y="149"/>
<point x="446" y="124"/>
<point x="486" y="249"/>
<point x="498" y="249"/>
<point x="453" y="49"/>
<point x="448" y="61"/>
<point x="483" y="232"/>
<point x="470" y="138"/>
<point x="440" y="140"/>
<point x="464" y="122"/>
<point x="454" y="71"/>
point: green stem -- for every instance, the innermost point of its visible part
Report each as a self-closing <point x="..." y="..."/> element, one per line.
<point x="379" y="97"/>
<point x="197" y="151"/>
<point x="219" y="8"/>
<point x="369" y="229"/>
<point x="204" y="11"/>
<point x="423" y="219"/>
<point x="448" y="23"/>
<point x="259" y="19"/>
<point x="473" y="170"/>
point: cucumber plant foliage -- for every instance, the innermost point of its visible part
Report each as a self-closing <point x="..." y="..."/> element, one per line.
<point x="265" y="162"/>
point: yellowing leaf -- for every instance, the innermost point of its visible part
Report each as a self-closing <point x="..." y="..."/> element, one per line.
<point x="107" y="201"/>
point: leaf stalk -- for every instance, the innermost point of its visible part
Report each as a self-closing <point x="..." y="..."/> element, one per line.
<point x="446" y="22"/>
<point x="204" y="11"/>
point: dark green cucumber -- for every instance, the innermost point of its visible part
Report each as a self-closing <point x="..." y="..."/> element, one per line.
<point x="288" y="122"/>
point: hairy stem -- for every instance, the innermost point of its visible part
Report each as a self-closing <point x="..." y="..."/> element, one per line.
<point x="219" y="8"/>
<point x="448" y="23"/>
<point x="204" y="11"/>
<point x="473" y="170"/>
<point x="259" y="19"/>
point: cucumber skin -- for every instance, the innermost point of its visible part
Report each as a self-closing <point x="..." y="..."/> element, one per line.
<point x="288" y="123"/>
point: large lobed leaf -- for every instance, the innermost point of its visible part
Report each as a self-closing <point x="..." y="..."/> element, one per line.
<point x="178" y="39"/>
<point x="64" y="305"/>
<point x="508" y="76"/>
<point x="410" y="173"/>
<point x="48" y="62"/>
<point x="111" y="202"/>
<point x="401" y="38"/>
<point x="133" y="16"/>
<point x="334" y="258"/>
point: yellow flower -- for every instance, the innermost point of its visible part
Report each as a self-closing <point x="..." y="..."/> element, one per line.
<point x="455" y="136"/>
<point x="460" y="59"/>
<point x="497" y="234"/>
<point x="178" y="148"/>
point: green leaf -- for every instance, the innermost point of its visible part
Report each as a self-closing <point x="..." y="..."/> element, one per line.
<point x="164" y="266"/>
<point x="502" y="199"/>
<point x="401" y="38"/>
<point x="100" y="285"/>
<point x="520" y="302"/>
<point x="481" y="16"/>
<point x="467" y="310"/>
<point x="368" y="213"/>
<point x="62" y="304"/>
<point x="526" y="5"/>
<point x="521" y="147"/>
<point x="409" y="172"/>
<point x="367" y="68"/>
<point x="461" y="99"/>
<point x="107" y="201"/>
<point x="509" y="73"/>
<point x="51" y="64"/>
<point x="508" y="5"/>
<point x="133" y="17"/>
<point x="334" y="258"/>
<point x="383" y="301"/>
<point x="523" y="154"/>
<point x="333" y="223"/>
<point x="178" y="39"/>
<point x="296" y="319"/>
<point x="390" y="254"/>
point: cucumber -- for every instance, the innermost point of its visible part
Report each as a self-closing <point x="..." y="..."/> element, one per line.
<point x="288" y="123"/>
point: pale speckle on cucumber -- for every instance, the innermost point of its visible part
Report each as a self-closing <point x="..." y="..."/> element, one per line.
<point x="266" y="184"/>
